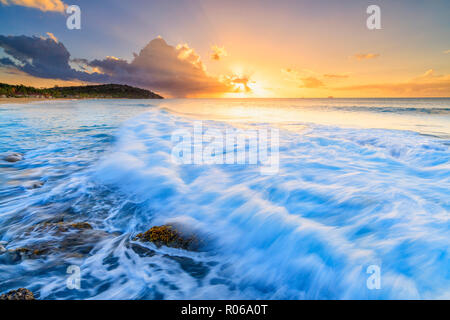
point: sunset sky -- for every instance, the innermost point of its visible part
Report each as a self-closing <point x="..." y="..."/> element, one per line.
<point x="245" y="48"/>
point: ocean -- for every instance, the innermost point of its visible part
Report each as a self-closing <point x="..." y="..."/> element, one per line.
<point x="360" y="185"/>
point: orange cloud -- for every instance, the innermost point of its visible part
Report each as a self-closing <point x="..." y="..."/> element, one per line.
<point x="43" y="5"/>
<point x="238" y="83"/>
<point x="336" y="76"/>
<point x="218" y="53"/>
<point x="305" y="78"/>
<point x="312" y="83"/>
<point x="365" y="56"/>
<point x="427" y="85"/>
<point x="176" y="71"/>
<point x="428" y="74"/>
<point x="52" y="36"/>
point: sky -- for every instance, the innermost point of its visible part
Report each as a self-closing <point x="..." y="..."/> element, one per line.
<point x="233" y="49"/>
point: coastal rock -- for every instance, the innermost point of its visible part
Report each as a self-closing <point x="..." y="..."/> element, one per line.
<point x="74" y="239"/>
<point x="81" y="225"/>
<point x="169" y="236"/>
<point x="36" y="184"/>
<point x="19" y="294"/>
<point x="61" y="226"/>
<point x="20" y="253"/>
<point x="13" y="157"/>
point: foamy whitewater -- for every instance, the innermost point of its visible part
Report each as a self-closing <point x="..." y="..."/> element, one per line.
<point x="361" y="182"/>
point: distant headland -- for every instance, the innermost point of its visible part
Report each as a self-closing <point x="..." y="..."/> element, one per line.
<point x="77" y="92"/>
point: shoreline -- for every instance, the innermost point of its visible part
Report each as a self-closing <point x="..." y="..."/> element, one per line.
<point x="27" y="100"/>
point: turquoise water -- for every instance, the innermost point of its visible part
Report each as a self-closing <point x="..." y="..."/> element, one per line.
<point x="361" y="182"/>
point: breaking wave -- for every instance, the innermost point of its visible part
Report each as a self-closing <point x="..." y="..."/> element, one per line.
<point x="343" y="199"/>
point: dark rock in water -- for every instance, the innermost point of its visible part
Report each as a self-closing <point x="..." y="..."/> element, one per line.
<point x="34" y="184"/>
<point x="62" y="226"/>
<point x="18" y="254"/>
<point x="13" y="157"/>
<point x="2" y="247"/>
<point x="22" y="250"/>
<point x="19" y="294"/>
<point x="81" y="225"/>
<point x="37" y="184"/>
<point x="169" y="236"/>
<point x="70" y="240"/>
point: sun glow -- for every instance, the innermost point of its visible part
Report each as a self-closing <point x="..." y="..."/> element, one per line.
<point x="246" y="84"/>
<point x="250" y="89"/>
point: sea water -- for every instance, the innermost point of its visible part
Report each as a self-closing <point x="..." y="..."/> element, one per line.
<point x="360" y="183"/>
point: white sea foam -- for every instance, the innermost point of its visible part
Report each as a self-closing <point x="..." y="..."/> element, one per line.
<point x="343" y="199"/>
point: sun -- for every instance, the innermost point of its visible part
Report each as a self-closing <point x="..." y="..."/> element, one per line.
<point x="250" y="89"/>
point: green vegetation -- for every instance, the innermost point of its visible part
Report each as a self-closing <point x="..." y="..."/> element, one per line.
<point x="94" y="91"/>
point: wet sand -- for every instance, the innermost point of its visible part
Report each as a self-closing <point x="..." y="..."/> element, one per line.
<point x="23" y="100"/>
<point x="28" y="100"/>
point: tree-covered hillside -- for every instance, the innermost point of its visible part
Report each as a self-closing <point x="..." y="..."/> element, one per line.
<point x="93" y="91"/>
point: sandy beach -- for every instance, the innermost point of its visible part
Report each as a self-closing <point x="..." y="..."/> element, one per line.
<point x="22" y="100"/>
<point x="28" y="100"/>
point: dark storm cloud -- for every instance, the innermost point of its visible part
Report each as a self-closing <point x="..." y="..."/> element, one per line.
<point x="43" y="58"/>
<point x="7" y="62"/>
<point x="177" y="71"/>
<point x="162" y="67"/>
